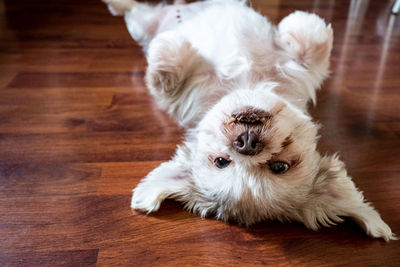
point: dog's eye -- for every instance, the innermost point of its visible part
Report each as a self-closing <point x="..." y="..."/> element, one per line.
<point x="279" y="167"/>
<point x="221" y="162"/>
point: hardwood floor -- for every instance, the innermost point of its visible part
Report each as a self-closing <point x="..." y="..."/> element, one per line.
<point x="78" y="130"/>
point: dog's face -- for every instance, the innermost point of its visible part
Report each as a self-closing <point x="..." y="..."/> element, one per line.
<point x="253" y="141"/>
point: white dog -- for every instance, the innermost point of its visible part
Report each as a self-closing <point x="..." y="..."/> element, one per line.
<point x="240" y="86"/>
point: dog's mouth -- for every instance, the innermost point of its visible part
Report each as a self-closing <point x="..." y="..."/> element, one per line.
<point x="250" y="116"/>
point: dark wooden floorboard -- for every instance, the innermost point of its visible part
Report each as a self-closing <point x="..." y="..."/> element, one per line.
<point x="78" y="130"/>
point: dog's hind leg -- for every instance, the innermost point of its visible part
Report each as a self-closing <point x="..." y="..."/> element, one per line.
<point x="120" y="7"/>
<point x="145" y="21"/>
<point x="142" y="20"/>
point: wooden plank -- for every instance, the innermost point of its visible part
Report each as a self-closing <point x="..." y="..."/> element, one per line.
<point x="57" y="258"/>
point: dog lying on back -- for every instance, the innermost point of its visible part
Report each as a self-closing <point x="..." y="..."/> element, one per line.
<point x="240" y="86"/>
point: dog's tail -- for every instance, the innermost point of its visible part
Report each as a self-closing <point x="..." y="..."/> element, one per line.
<point x="119" y="7"/>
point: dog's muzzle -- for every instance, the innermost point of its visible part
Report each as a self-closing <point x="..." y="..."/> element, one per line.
<point x="248" y="142"/>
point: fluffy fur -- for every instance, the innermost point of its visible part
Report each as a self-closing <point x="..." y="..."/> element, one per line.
<point x="210" y="60"/>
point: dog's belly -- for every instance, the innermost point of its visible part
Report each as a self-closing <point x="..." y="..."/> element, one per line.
<point x="177" y="15"/>
<point x="222" y="32"/>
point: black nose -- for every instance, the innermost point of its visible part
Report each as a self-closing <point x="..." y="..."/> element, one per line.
<point x="248" y="143"/>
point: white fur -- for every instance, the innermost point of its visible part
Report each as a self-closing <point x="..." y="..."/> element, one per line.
<point x="209" y="59"/>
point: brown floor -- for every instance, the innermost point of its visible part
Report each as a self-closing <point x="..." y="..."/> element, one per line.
<point x="78" y="130"/>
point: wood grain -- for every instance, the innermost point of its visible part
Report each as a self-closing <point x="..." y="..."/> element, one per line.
<point x="78" y="130"/>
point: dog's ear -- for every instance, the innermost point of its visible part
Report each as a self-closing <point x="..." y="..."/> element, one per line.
<point x="333" y="194"/>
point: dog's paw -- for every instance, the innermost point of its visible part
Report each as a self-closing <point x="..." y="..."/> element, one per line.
<point x="306" y="37"/>
<point x="169" y="59"/>
<point x="119" y="7"/>
<point x="146" y="198"/>
<point x="162" y="79"/>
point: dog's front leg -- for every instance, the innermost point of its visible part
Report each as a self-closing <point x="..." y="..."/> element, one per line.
<point x="170" y="179"/>
<point x="177" y="76"/>
<point x="172" y="61"/>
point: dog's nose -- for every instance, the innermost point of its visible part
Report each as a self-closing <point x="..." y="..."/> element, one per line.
<point x="248" y="143"/>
